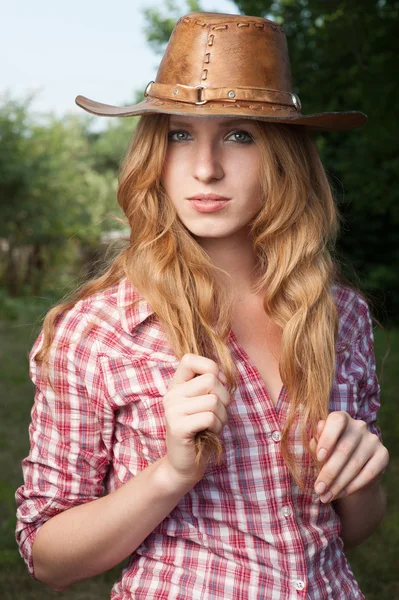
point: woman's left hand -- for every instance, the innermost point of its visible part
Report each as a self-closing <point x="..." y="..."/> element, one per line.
<point x="352" y="456"/>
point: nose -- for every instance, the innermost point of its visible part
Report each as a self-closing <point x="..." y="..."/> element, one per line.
<point x="207" y="163"/>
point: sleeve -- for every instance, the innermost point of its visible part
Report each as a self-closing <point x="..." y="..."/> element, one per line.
<point x="369" y="387"/>
<point x="68" y="458"/>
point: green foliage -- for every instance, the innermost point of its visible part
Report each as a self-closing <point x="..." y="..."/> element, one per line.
<point x="159" y="28"/>
<point x="58" y="185"/>
<point x="16" y="174"/>
<point x="49" y="189"/>
<point x="108" y="147"/>
<point x="21" y="310"/>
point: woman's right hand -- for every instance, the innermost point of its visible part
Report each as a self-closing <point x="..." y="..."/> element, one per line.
<point x="196" y="400"/>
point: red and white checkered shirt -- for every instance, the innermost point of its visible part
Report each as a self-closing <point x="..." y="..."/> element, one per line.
<point x="245" y="531"/>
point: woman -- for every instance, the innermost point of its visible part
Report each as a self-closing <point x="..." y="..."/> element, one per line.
<point x="218" y="381"/>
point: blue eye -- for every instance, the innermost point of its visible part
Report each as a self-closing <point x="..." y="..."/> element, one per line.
<point x="180" y="131"/>
<point x="249" y="137"/>
<point x="172" y="133"/>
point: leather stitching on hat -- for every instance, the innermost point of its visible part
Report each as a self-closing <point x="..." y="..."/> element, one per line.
<point x="207" y="59"/>
<point x="263" y="25"/>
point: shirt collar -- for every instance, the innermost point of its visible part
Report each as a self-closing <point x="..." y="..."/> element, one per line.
<point x="132" y="307"/>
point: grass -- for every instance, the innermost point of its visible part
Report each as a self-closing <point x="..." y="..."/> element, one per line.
<point x="375" y="563"/>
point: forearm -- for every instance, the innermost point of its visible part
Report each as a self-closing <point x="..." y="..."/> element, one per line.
<point x="360" y="513"/>
<point x="91" y="538"/>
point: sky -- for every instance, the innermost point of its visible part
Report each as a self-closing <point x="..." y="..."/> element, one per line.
<point x="94" y="48"/>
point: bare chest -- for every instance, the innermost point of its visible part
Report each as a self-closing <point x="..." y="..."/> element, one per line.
<point x="261" y="340"/>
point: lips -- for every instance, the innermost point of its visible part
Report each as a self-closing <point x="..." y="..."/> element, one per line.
<point x="209" y="197"/>
<point x="208" y="203"/>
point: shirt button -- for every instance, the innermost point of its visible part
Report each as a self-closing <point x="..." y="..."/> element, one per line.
<point x="287" y="511"/>
<point x="299" y="585"/>
<point x="276" y="436"/>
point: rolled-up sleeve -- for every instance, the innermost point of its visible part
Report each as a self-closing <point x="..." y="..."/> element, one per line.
<point x="369" y="387"/>
<point x="68" y="458"/>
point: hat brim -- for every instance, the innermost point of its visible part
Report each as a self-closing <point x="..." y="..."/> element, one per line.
<point x="330" y="121"/>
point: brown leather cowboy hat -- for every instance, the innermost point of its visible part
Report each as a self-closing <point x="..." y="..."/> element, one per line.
<point x="226" y="65"/>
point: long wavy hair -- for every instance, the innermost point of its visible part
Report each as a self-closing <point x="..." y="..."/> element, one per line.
<point x="293" y="235"/>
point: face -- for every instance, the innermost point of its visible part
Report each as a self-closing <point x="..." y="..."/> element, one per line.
<point x="213" y="155"/>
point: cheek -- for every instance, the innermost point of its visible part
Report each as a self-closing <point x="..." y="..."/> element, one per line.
<point x="250" y="183"/>
<point x="172" y="175"/>
<point x="166" y="175"/>
<point x="246" y="168"/>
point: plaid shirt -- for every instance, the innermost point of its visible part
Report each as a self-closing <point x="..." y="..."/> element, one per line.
<point x="245" y="531"/>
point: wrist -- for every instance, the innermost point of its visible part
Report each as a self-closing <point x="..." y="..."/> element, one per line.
<point x="170" y="480"/>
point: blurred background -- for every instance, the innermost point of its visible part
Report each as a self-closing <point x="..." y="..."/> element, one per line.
<point x="58" y="210"/>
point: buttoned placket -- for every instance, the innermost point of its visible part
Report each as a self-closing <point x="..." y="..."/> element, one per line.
<point x="287" y="513"/>
<point x="278" y="414"/>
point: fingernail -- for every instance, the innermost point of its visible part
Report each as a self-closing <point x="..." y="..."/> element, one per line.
<point x="222" y="377"/>
<point x="322" y="453"/>
<point x="320" y="487"/>
<point x="342" y="494"/>
<point x="326" y="498"/>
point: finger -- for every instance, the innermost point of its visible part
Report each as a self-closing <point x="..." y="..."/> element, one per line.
<point x="313" y="442"/>
<point x="320" y="427"/>
<point x="335" y="425"/>
<point x="370" y="472"/>
<point x="361" y="455"/>
<point x="202" y="385"/>
<point x="338" y="458"/>
<point x="202" y="421"/>
<point x="208" y="403"/>
<point x="192" y="365"/>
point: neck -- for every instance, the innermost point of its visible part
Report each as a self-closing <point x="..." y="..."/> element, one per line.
<point x="236" y="257"/>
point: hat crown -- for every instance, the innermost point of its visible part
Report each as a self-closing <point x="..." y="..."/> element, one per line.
<point x="226" y="65"/>
<point x="221" y="50"/>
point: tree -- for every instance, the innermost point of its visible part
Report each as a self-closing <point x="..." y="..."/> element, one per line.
<point x="49" y="190"/>
<point x="159" y="28"/>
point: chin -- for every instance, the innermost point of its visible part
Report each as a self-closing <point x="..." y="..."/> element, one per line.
<point x="211" y="230"/>
<point x="199" y="232"/>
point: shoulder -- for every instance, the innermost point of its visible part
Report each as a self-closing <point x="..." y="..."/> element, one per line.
<point x="105" y="319"/>
<point x="353" y="312"/>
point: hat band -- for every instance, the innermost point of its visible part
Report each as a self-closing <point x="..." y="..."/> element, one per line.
<point x="201" y="94"/>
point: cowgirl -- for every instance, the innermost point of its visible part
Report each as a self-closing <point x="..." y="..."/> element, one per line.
<point x="218" y="381"/>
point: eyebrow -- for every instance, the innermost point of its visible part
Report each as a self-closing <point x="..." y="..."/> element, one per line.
<point x="181" y="123"/>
